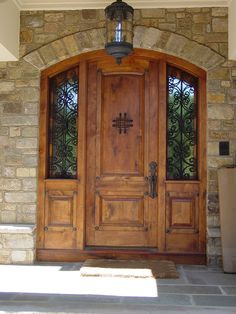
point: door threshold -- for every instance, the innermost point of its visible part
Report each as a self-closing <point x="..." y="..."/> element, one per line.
<point x="60" y="255"/>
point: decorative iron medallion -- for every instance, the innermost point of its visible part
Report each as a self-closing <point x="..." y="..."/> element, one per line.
<point x="122" y="123"/>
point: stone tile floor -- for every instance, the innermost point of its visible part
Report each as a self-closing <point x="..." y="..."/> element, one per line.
<point x="54" y="288"/>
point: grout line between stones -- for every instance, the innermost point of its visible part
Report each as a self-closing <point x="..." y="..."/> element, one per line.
<point x="222" y="290"/>
<point x="192" y="300"/>
<point x="184" y="275"/>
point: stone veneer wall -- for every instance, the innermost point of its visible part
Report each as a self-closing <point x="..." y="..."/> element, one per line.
<point x="197" y="35"/>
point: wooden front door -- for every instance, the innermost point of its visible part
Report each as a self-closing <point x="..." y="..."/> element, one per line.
<point x="122" y="159"/>
<point x="123" y="143"/>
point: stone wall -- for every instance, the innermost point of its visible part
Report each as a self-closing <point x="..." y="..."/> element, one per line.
<point x="197" y="35"/>
<point x="17" y="244"/>
<point x="208" y="26"/>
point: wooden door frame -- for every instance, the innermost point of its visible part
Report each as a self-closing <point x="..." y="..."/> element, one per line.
<point x="81" y="253"/>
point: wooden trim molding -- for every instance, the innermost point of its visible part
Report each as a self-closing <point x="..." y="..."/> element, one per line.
<point x="93" y="4"/>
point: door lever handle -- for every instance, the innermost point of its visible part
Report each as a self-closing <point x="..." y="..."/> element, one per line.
<point x="153" y="179"/>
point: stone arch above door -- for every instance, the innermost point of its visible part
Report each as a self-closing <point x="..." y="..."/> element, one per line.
<point x="144" y="37"/>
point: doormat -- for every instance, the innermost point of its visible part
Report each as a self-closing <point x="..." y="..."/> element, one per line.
<point x="129" y="268"/>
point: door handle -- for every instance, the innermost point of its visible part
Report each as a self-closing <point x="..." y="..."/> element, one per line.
<point x="153" y="179"/>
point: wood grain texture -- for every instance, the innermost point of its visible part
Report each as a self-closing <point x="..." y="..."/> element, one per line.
<point x="123" y="214"/>
<point x="106" y="211"/>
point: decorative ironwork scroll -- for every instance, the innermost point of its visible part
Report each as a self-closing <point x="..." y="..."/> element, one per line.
<point x="122" y="123"/>
<point x="181" y="125"/>
<point x="63" y="125"/>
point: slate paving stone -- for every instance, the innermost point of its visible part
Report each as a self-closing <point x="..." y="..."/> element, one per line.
<point x="189" y="289"/>
<point x="78" y="308"/>
<point x="6" y="296"/>
<point x="31" y="297"/>
<point x="201" y="268"/>
<point x="178" y="281"/>
<point x="87" y="307"/>
<point x="195" y="267"/>
<point x="71" y="267"/>
<point x="229" y="290"/>
<point x="161" y="299"/>
<point x="215" y="300"/>
<point x="85" y="298"/>
<point x="210" y="278"/>
<point x="190" y="310"/>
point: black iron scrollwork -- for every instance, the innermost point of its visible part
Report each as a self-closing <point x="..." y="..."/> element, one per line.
<point x="63" y="125"/>
<point x="153" y="179"/>
<point x="182" y="126"/>
<point x="122" y="123"/>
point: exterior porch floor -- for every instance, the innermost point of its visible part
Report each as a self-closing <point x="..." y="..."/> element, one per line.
<point x="58" y="288"/>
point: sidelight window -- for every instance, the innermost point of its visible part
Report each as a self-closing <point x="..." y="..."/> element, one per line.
<point x="63" y="114"/>
<point x="181" y="125"/>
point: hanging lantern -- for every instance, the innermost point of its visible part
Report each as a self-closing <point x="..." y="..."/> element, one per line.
<point x="119" y="29"/>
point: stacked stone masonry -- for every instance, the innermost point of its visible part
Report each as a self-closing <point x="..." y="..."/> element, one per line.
<point x="198" y="35"/>
<point x="17" y="244"/>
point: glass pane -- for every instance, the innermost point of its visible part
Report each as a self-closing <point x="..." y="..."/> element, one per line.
<point x="181" y="125"/>
<point x="63" y="125"/>
<point x="119" y="31"/>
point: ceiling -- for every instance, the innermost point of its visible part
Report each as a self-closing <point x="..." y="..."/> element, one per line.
<point x="95" y="4"/>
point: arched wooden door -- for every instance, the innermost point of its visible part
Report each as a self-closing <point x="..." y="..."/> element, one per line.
<point x="122" y="159"/>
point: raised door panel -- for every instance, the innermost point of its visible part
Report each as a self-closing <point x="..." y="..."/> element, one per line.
<point x="182" y="217"/>
<point x="120" y="213"/>
<point x="121" y="140"/>
<point x="60" y="207"/>
<point x="60" y="217"/>
<point x="182" y="211"/>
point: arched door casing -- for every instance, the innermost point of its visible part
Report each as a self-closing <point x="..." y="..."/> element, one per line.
<point x="117" y="197"/>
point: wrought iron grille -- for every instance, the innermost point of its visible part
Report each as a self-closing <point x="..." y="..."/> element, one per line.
<point x="122" y="123"/>
<point x="63" y="125"/>
<point x="181" y="125"/>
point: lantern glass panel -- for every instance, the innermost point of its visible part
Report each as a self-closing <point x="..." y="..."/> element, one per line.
<point x="119" y="31"/>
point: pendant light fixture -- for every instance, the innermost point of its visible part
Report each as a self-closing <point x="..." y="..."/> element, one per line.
<point x="119" y="30"/>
